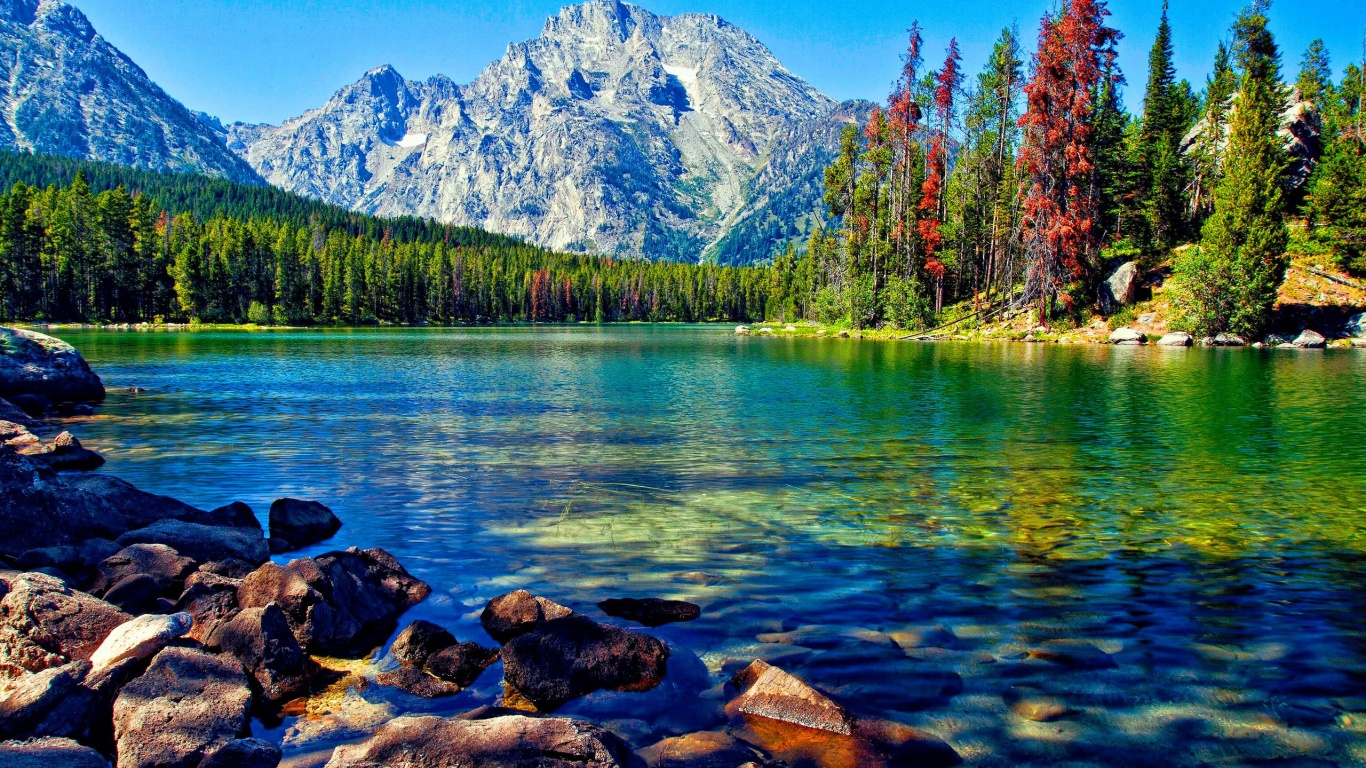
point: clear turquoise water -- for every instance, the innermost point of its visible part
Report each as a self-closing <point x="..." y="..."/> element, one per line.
<point x="1198" y="514"/>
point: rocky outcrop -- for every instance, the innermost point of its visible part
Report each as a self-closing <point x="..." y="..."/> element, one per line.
<point x="340" y="603"/>
<point x="138" y="639"/>
<point x="203" y="542"/>
<point x="49" y="753"/>
<point x="67" y="91"/>
<point x="563" y="659"/>
<point x="188" y="705"/>
<point x="39" y="508"/>
<point x="301" y="523"/>
<point x="650" y="611"/>
<point x="509" y="742"/>
<point x="517" y="613"/>
<point x="1355" y="328"/>
<point x="35" y="364"/>
<point x="44" y="623"/>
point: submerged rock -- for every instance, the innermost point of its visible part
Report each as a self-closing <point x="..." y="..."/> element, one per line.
<point x="342" y="603"/>
<point x="49" y="753"/>
<point x="36" y="364"/>
<point x="1073" y="653"/>
<point x="302" y="522"/>
<point x="510" y="741"/>
<point x="203" y="542"/>
<point x="706" y="749"/>
<point x="563" y="659"/>
<point x="187" y="705"/>
<point x="517" y="613"/>
<point x="650" y="611"/>
<point x="44" y="623"/>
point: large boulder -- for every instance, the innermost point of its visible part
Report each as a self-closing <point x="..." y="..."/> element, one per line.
<point x="302" y="522"/>
<point x="1128" y="337"/>
<point x="768" y="691"/>
<point x="234" y="515"/>
<point x="517" y="613"/>
<point x="44" y="623"/>
<point x="188" y="705"/>
<point x="243" y="753"/>
<point x="49" y="753"/>
<point x="138" y="639"/>
<point x="1356" y="328"/>
<point x="72" y="701"/>
<point x="650" y="611"/>
<point x="39" y="508"/>
<point x="511" y="741"/>
<point x="1120" y="288"/>
<point x="1310" y="340"/>
<point x="262" y="640"/>
<point x="563" y="659"/>
<point x="339" y="603"/>
<point x="166" y="568"/>
<point x="210" y="600"/>
<point x="203" y="542"/>
<point x="34" y="364"/>
<point x="1176" y="339"/>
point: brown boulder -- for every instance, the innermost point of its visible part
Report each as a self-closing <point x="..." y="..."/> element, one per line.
<point x="566" y="658"/>
<point x="342" y="603"/>
<point x="768" y="691"/>
<point x="650" y="611"/>
<point x="420" y="640"/>
<point x="188" y="705"/>
<point x="243" y="753"/>
<point x="261" y="639"/>
<point x="166" y="567"/>
<point x="44" y="623"/>
<point x="505" y="742"/>
<point x="517" y="613"/>
<point x="434" y="663"/>
<point x="210" y="599"/>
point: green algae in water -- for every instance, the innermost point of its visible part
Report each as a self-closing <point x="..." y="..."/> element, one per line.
<point x="1194" y="515"/>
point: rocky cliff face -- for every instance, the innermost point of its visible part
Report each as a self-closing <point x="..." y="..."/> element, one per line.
<point x="64" y="90"/>
<point x="616" y="131"/>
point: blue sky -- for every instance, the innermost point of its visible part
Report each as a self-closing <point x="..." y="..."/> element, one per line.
<point x="266" y="60"/>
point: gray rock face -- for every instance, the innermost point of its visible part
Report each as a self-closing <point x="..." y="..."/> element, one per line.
<point x="188" y="705"/>
<point x="203" y="542"/>
<point x="1310" y="340"/>
<point x="616" y="131"/>
<point x="67" y="91"/>
<point x="44" y="623"/>
<point x="1177" y="339"/>
<point x="1356" y="328"/>
<point x="34" y="364"/>
<point x="1121" y="288"/>
<point x="1128" y="337"/>
<point x="509" y="742"/>
<point x="49" y="753"/>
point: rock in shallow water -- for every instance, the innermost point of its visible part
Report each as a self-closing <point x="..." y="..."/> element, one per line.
<point x="650" y="611"/>
<point x="506" y="742"/>
<point x="566" y="658"/>
<point x="36" y="364"/>
<point x="517" y="613"/>
<point x="772" y="693"/>
<point x="339" y="603"/>
<point x="302" y="522"/>
<point x="706" y="749"/>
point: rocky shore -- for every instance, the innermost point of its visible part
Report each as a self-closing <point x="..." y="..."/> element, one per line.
<point x="143" y="632"/>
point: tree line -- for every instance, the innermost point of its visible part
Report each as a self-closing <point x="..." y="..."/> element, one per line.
<point x="188" y="248"/>
<point x="1022" y="189"/>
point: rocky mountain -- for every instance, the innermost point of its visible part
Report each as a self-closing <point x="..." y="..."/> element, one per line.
<point x="616" y="131"/>
<point x="64" y="90"/>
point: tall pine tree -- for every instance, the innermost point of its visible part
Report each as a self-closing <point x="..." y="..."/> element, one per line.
<point x="1162" y="170"/>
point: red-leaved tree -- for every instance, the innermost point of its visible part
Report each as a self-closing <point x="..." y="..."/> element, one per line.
<point x="932" y="201"/>
<point x="1057" y="160"/>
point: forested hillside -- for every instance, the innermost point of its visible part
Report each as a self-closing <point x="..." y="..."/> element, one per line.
<point x="93" y="242"/>
<point x="1028" y="186"/>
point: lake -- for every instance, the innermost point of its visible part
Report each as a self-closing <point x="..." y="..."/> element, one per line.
<point x="932" y="532"/>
